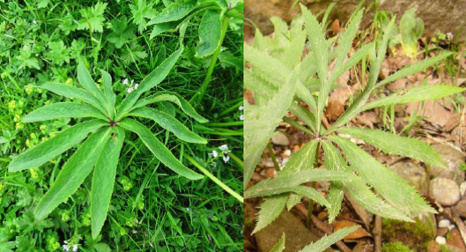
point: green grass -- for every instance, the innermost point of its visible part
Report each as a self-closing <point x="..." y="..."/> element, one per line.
<point x="152" y="208"/>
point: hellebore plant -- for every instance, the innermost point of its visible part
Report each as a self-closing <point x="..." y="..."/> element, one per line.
<point x="104" y="135"/>
<point x="282" y="81"/>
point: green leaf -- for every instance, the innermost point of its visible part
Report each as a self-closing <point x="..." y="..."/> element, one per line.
<point x="209" y="33"/>
<point x="280" y="245"/>
<point x="122" y="32"/>
<point x="103" y="180"/>
<point x="304" y="159"/>
<point x="345" y="40"/>
<point x="109" y="94"/>
<point x="73" y="173"/>
<point x="58" y="53"/>
<point x="327" y="241"/>
<point x="169" y="123"/>
<point x="174" y="98"/>
<point x="392" y="188"/>
<point x="62" y="110"/>
<point x="303" y="115"/>
<point x="163" y="27"/>
<point x="152" y="80"/>
<point x="286" y="181"/>
<point x="74" y="92"/>
<point x="85" y="79"/>
<point x="93" y="18"/>
<point x="158" y="149"/>
<point x="141" y="12"/>
<point x="174" y="12"/>
<point x="270" y="210"/>
<point x="414" y="94"/>
<point x="55" y="146"/>
<point x="393" y="144"/>
<point x="335" y="197"/>
<point x="301" y="190"/>
<point x="414" y="68"/>
<point x="357" y="188"/>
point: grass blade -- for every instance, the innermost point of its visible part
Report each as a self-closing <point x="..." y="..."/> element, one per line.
<point x="158" y="149"/>
<point x="73" y="173"/>
<point x="103" y="180"/>
<point x="169" y="123"/>
<point x="55" y="146"/>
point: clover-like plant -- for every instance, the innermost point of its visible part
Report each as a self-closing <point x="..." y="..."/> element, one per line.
<point x="282" y="80"/>
<point x="104" y="135"/>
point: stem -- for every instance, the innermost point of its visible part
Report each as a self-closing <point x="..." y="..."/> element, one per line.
<point x="213" y="178"/>
<point x="236" y="159"/>
<point x="272" y="156"/>
<point x="297" y="125"/>
<point x="203" y="88"/>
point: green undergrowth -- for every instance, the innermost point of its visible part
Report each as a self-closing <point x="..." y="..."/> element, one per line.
<point x="152" y="208"/>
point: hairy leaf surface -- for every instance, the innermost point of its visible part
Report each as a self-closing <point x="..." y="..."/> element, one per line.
<point x="327" y="241"/>
<point x="62" y="110"/>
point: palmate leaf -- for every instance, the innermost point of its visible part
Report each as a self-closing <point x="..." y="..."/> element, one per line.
<point x="327" y="241"/>
<point x="152" y="80"/>
<point x="392" y="188"/>
<point x="158" y="149"/>
<point x="73" y="173"/>
<point x="174" y="98"/>
<point x="357" y="188"/>
<point x="393" y="144"/>
<point x="103" y="180"/>
<point x="414" y="94"/>
<point x="55" y="146"/>
<point x="209" y="33"/>
<point x="62" y="110"/>
<point x="169" y="123"/>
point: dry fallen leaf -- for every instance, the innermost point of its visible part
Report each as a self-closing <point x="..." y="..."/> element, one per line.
<point x="359" y="233"/>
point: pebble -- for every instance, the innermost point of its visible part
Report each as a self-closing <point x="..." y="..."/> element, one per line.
<point x="444" y="191"/>
<point x="279" y="138"/>
<point x="414" y="174"/>
<point x="454" y="158"/>
<point x="463" y="188"/>
<point x="444" y="223"/>
<point x="287" y="153"/>
<point x="461" y="208"/>
<point x="441" y="240"/>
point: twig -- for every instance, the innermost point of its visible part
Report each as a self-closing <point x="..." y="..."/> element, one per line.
<point x="459" y="223"/>
<point x="377" y="231"/>
<point x="324" y="227"/>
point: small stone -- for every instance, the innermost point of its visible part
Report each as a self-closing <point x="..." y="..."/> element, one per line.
<point x="461" y="208"/>
<point x="444" y="191"/>
<point x="279" y="138"/>
<point x="442" y="231"/>
<point x="414" y="174"/>
<point x="454" y="159"/>
<point x="463" y="188"/>
<point x="270" y="173"/>
<point x="444" y="223"/>
<point x="287" y="153"/>
<point x="441" y="240"/>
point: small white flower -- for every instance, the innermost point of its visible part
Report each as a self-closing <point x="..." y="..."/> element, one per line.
<point x="66" y="248"/>
<point x="136" y="86"/>
<point x="132" y="81"/>
<point x="214" y="153"/>
<point x="226" y="158"/>
<point x="188" y="209"/>
<point x="214" y="165"/>
<point x="34" y="21"/>
<point x="241" y="108"/>
<point x="75" y="247"/>
<point x="223" y="147"/>
<point x="241" y="117"/>
<point x="129" y="90"/>
<point x="125" y="81"/>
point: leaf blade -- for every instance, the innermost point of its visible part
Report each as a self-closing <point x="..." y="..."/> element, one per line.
<point x="103" y="181"/>
<point x="158" y="149"/>
<point x="73" y="173"/>
<point x="55" y="146"/>
<point x="62" y="110"/>
<point x="327" y="241"/>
